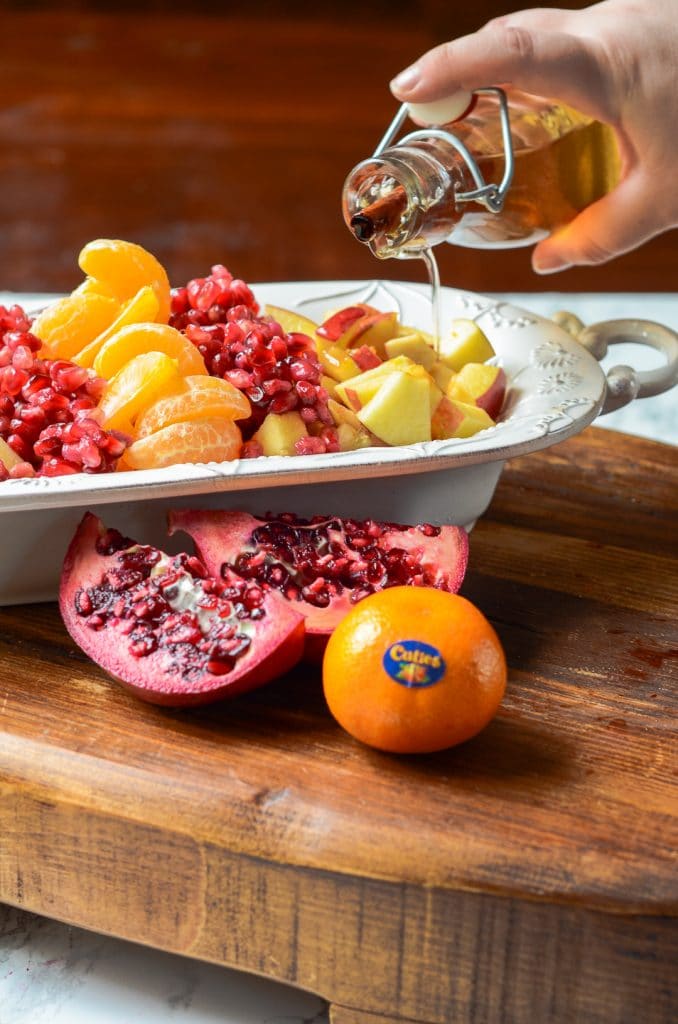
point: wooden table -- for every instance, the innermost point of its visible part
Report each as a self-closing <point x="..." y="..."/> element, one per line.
<point x="528" y="876"/>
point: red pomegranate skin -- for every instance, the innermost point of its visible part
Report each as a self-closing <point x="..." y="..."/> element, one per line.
<point x="174" y="674"/>
<point x="323" y="566"/>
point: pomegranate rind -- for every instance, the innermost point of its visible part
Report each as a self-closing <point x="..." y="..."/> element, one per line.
<point x="220" y="535"/>
<point x="277" y="638"/>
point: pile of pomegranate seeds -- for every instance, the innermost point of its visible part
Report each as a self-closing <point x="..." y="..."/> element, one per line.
<point x="278" y="372"/>
<point x="48" y="413"/>
<point x="206" y="300"/>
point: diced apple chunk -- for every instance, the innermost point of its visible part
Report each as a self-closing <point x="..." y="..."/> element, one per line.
<point x="335" y="360"/>
<point x="481" y="383"/>
<point x="466" y="343"/>
<point x="291" y="321"/>
<point x="400" y="410"/>
<point x="458" y="419"/>
<point x="279" y="432"/>
<point x="414" y="347"/>
<point x="8" y="456"/>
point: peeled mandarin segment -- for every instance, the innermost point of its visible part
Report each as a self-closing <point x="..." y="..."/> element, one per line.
<point x="136" y="386"/>
<point x="207" y="440"/>
<point x="92" y="287"/>
<point x="126" y="267"/>
<point x="134" y="339"/>
<point x="194" y="402"/>
<point x="141" y="309"/>
<point x="68" y="325"/>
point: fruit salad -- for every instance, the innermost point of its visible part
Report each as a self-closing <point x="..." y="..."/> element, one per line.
<point x="126" y="373"/>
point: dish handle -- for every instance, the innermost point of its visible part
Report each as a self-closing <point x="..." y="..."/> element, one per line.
<point x="623" y="382"/>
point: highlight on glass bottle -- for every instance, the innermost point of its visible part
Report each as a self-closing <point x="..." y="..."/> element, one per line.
<point x="508" y="171"/>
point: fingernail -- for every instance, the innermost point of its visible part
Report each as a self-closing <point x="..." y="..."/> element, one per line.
<point x="547" y="263"/>
<point x="407" y="79"/>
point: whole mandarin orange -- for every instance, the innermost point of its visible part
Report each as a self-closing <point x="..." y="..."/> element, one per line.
<point x="414" y="670"/>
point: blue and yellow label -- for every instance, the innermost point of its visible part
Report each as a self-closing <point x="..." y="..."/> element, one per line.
<point x="413" y="663"/>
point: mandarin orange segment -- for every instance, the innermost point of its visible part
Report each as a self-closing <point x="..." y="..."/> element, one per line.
<point x="208" y="440"/>
<point x="90" y="286"/>
<point x="134" y="339"/>
<point x="199" y="398"/>
<point x="142" y="308"/>
<point x="126" y="267"/>
<point x="68" y="325"/>
<point x="136" y="386"/>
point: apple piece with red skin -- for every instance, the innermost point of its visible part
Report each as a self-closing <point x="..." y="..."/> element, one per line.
<point x="339" y="322"/>
<point x="366" y="358"/>
<point x="360" y="325"/>
<point x="373" y="330"/>
<point x="458" y="419"/>
<point x="336" y="361"/>
<point x="484" y="383"/>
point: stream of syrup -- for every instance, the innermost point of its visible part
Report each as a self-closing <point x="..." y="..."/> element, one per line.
<point x="433" y="273"/>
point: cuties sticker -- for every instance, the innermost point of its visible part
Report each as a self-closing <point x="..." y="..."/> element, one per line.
<point x="413" y="663"/>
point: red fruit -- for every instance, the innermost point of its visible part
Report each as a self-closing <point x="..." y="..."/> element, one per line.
<point x="366" y="357"/>
<point x="324" y="565"/>
<point x="47" y="407"/>
<point x="166" y="630"/>
<point x="340" y="321"/>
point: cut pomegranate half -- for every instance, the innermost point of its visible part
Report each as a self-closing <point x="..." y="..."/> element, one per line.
<point x="161" y="626"/>
<point x="324" y="565"/>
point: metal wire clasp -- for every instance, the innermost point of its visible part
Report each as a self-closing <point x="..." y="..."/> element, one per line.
<point x="491" y="196"/>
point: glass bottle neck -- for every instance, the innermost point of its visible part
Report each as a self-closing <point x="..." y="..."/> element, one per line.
<point x="402" y="201"/>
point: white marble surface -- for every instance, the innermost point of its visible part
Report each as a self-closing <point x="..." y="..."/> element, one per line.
<point x="54" y="974"/>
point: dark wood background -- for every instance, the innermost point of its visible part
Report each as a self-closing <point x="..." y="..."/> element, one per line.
<point x="217" y="132"/>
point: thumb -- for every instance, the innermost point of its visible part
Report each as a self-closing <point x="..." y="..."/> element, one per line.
<point x="615" y="224"/>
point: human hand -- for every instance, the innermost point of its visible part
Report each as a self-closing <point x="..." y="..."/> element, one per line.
<point x="616" y="61"/>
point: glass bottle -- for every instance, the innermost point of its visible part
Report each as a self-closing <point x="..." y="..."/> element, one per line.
<point x="512" y="169"/>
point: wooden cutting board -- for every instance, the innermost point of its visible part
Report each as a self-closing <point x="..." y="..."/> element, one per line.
<point x="529" y="875"/>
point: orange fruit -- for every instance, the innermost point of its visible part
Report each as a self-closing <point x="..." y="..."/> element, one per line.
<point x="69" y="324"/>
<point x="142" y="308"/>
<point x="134" y="339"/>
<point x="196" y="398"/>
<point x="412" y="670"/>
<point x="135" y="386"/>
<point x="215" y="439"/>
<point x="124" y="268"/>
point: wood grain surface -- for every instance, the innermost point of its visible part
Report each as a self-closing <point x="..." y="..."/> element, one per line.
<point x="526" y="876"/>
<point x="222" y="133"/>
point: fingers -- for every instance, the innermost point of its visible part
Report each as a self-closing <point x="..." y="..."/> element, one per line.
<point x="548" y="63"/>
<point x="617" y="223"/>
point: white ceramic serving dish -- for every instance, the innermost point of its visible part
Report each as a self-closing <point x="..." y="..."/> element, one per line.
<point x="556" y="388"/>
